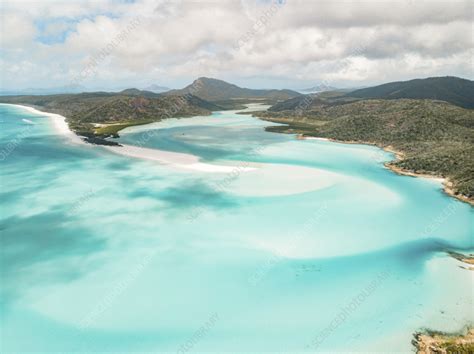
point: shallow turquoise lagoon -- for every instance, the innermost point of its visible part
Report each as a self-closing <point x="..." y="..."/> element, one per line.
<point x="307" y="245"/>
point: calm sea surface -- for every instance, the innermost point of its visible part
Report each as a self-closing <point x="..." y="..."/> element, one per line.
<point x="305" y="245"/>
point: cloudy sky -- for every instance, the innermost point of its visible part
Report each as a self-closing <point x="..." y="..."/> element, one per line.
<point x="254" y="43"/>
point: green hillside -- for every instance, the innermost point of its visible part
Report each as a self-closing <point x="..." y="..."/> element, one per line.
<point x="220" y="91"/>
<point x="451" y="89"/>
<point x="85" y="111"/>
<point x="435" y="137"/>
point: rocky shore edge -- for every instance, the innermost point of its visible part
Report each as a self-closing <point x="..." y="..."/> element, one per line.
<point x="432" y="342"/>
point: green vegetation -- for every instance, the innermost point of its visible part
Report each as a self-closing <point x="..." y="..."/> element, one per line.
<point x="435" y="137"/>
<point x="453" y="347"/>
<point x="113" y="129"/>
<point x="115" y="110"/>
<point x="455" y="90"/>
<point x="430" y="342"/>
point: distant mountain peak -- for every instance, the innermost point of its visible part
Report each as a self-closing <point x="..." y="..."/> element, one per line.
<point x="209" y="79"/>
<point x="212" y="89"/>
<point x="131" y="90"/>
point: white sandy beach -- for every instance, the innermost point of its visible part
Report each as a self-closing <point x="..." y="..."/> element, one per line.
<point x="174" y="159"/>
<point x="315" y="138"/>
<point x="59" y="123"/>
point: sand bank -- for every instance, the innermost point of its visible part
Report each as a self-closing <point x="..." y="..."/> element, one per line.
<point x="281" y="179"/>
<point x="174" y="159"/>
<point x="399" y="155"/>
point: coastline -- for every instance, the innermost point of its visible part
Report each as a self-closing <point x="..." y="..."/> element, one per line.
<point x="178" y="160"/>
<point x="447" y="184"/>
<point x="399" y="156"/>
<point x="466" y="260"/>
<point x="192" y="162"/>
<point x="427" y="342"/>
<point x="58" y="122"/>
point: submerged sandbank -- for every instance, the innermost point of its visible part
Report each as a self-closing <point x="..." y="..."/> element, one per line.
<point x="399" y="156"/>
<point x="281" y="179"/>
<point x="175" y="159"/>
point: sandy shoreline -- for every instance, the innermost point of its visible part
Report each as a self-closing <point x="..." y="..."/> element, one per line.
<point x="302" y="137"/>
<point x="437" y="342"/>
<point x="59" y="123"/>
<point x="447" y="184"/>
<point x="467" y="260"/>
<point x="399" y="155"/>
<point x="175" y="159"/>
<point x="178" y="160"/>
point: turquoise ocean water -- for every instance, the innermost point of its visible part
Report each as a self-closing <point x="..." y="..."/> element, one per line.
<point x="306" y="245"/>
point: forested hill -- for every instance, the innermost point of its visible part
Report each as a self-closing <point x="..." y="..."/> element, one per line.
<point x="435" y="137"/>
<point x="218" y="90"/>
<point x="86" y="111"/>
<point x="455" y="90"/>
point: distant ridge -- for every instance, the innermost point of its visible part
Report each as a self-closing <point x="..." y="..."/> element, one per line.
<point x="218" y="90"/>
<point x="319" y="88"/>
<point x="137" y="92"/>
<point x="455" y="90"/>
<point x="45" y="91"/>
<point x="297" y="103"/>
<point x="156" y="88"/>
